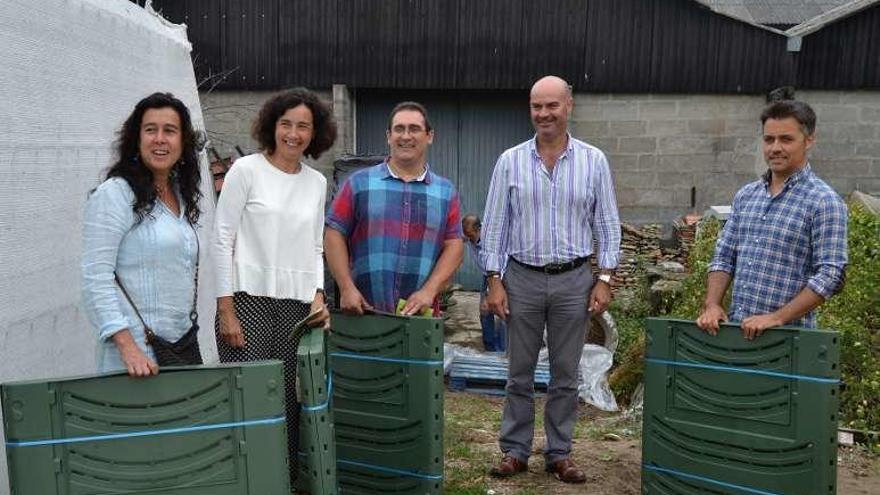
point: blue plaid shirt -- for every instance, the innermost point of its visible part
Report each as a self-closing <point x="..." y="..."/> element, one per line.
<point x="396" y="230"/>
<point x="774" y="246"/>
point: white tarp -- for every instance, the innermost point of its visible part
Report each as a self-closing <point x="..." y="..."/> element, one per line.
<point x="72" y="71"/>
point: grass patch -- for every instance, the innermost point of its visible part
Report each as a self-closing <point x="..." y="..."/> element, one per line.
<point x="472" y="423"/>
<point x="471" y="426"/>
<point x="622" y="425"/>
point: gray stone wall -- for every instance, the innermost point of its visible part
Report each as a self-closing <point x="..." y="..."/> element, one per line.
<point x="847" y="152"/>
<point x="664" y="148"/>
<point x="229" y="115"/>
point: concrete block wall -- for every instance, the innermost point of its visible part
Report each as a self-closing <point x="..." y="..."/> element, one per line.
<point x="665" y="148"/>
<point x="230" y="114"/>
<point x="847" y="151"/>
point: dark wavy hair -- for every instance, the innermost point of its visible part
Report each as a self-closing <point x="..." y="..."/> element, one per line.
<point x="324" y="135"/>
<point x="802" y="112"/>
<point x="185" y="174"/>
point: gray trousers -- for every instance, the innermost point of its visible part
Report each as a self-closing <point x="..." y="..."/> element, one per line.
<point x="560" y="302"/>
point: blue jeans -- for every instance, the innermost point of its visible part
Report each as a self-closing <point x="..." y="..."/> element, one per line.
<point x="494" y="331"/>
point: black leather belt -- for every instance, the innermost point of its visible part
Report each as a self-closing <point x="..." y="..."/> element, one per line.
<point x="554" y="268"/>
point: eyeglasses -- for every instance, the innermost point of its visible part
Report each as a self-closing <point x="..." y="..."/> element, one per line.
<point x="413" y="129"/>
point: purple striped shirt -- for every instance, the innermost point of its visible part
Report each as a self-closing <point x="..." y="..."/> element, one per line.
<point x="541" y="217"/>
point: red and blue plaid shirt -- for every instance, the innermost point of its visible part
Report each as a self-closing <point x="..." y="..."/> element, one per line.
<point x="775" y="246"/>
<point x="395" y="230"/>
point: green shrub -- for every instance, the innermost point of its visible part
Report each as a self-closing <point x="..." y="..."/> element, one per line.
<point x="690" y="301"/>
<point x="855" y="313"/>
<point x="630" y="308"/>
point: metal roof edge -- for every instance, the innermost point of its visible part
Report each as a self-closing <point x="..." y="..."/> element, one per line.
<point x="807" y="27"/>
<point x="740" y="19"/>
<point x="812" y="25"/>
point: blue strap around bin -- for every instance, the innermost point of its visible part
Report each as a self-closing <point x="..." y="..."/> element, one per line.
<point x="383" y="469"/>
<point x="374" y="467"/>
<point x="694" y="477"/>
<point x="148" y="433"/>
<point x="731" y="369"/>
<point x="326" y="403"/>
<point x="362" y="357"/>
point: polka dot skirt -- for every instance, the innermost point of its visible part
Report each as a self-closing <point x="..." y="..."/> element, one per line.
<point x="267" y="323"/>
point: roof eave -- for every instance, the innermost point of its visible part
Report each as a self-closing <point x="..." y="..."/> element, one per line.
<point x="807" y="27"/>
<point x="740" y="19"/>
<point x="816" y="23"/>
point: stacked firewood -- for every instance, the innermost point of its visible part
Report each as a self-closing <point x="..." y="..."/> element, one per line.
<point x="685" y="231"/>
<point x="644" y="242"/>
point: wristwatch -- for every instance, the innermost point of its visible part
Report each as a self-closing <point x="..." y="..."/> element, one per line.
<point x="604" y="277"/>
<point x="493" y="275"/>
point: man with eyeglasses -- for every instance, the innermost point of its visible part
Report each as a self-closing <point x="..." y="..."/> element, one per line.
<point x="548" y="199"/>
<point x="393" y="233"/>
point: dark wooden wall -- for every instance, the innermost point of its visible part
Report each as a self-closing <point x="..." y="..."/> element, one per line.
<point x="598" y="45"/>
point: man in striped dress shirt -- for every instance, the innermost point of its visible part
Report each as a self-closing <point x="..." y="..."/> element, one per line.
<point x="549" y="197"/>
<point x="784" y="244"/>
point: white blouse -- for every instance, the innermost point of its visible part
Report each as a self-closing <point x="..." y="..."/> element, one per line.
<point x="268" y="237"/>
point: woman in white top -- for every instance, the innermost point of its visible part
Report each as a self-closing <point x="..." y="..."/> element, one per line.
<point x="268" y="241"/>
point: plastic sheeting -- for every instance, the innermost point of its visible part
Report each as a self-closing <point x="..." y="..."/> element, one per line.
<point x="72" y="71"/>
<point x="593" y="385"/>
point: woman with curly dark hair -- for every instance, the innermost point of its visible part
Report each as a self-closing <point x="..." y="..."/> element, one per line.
<point x="140" y="246"/>
<point x="268" y="242"/>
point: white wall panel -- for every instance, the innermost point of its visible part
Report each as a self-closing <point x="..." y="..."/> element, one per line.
<point x="72" y="72"/>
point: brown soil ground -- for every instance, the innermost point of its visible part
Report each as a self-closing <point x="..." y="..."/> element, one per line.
<point x="612" y="466"/>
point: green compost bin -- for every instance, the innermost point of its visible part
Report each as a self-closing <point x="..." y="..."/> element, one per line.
<point x="317" y="445"/>
<point x="388" y="403"/>
<point x="728" y="416"/>
<point x="200" y="430"/>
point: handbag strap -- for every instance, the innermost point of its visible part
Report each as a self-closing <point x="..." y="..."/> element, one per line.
<point x="147" y="330"/>
<point x="193" y="314"/>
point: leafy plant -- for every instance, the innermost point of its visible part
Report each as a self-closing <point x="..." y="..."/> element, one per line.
<point x="855" y="313"/>
<point x="690" y="300"/>
<point x="630" y="308"/>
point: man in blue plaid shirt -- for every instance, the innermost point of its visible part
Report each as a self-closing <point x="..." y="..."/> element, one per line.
<point x="784" y="244"/>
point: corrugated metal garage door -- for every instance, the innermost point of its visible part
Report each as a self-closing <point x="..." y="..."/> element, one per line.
<point x="470" y="130"/>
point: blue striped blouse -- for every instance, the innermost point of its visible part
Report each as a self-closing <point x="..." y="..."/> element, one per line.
<point x="155" y="260"/>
